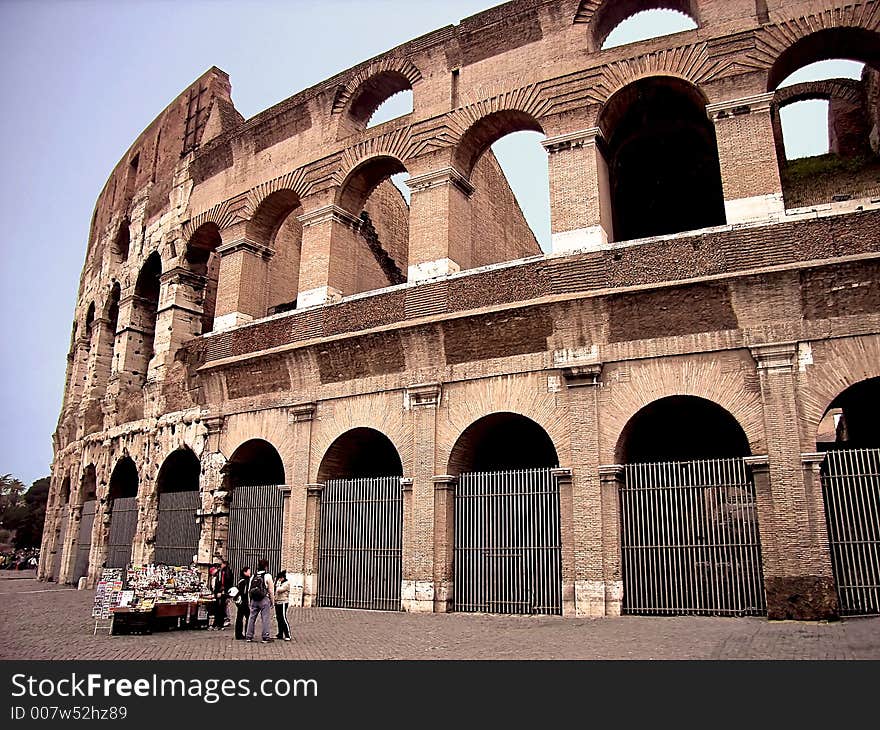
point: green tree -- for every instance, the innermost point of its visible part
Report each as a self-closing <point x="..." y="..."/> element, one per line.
<point x="29" y="532"/>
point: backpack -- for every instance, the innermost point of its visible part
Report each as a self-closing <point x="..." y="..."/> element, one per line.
<point x="258" y="590"/>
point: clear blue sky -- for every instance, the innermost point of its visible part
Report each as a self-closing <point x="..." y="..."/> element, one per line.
<point x="80" y="80"/>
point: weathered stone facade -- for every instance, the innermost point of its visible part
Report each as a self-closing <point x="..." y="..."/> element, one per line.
<point x="262" y="280"/>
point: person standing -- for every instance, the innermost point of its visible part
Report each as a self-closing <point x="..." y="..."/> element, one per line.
<point x="262" y="596"/>
<point x="222" y="584"/>
<point x="282" y="602"/>
<point x="243" y="603"/>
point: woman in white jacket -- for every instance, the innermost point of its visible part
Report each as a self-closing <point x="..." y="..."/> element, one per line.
<point x="282" y="601"/>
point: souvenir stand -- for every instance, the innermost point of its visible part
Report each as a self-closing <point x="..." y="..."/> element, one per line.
<point x="159" y="597"/>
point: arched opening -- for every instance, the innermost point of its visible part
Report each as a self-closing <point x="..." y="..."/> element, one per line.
<point x="850" y="476"/>
<point x="379" y="226"/>
<point x="361" y="523"/>
<point x="395" y="106"/>
<point x="508" y="213"/>
<point x="253" y="475"/>
<point x="177" y="532"/>
<point x="500" y="442"/>
<point x="122" y="504"/>
<point x="122" y="242"/>
<point x="662" y="155"/>
<point x="826" y="116"/>
<point x="88" y="490"/>
<point x="145" y="308"/>
<point x="275" y="225"/>
<point x="60" y="526"/>
<point x="681" y="428"/>
<point x="689" y="526"/>
<point x="361" y="453"/>
<point x="620" y="23"/>
<point x="373" y="94"/>
<point x="203" y="260"/>
<point x="255" y="462"/>
<point x="507" y="526"/>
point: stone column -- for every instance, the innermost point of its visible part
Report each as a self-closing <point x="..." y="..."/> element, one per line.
<point x="418" y="589"/>
<point x="180" y="313"/>
<point x="611" y="478"/>
<point x="567" y="529"/>
<point x="580" y="194"/>
<point x="796" y="573"/>
<point x="70" y="542"/>
<point x="242" y="284"/>
<point x="300" y="418"/>
<point x="214" y="513"/>
<point x="310" y="545"/>
<point x="132" y="342"/>
<point x="143" y="548"/>
<point x="439" y="224"/>
<point x="747" y="154"/>
<point x="328" y="264"/>
<point x="586" y="509"/>
<point x="444" y="542"/>
<point x="79" y="370"/>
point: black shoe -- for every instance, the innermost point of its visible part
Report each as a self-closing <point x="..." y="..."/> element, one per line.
<point x="268" y="641"/>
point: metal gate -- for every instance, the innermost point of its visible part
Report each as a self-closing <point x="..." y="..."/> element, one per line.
<point x="255" y="527"/>
<point x="123" y="525"/>
<point x="359" y="546"/>
<point x="177" y="532"/>
<point x="59" y="542"/>
<point x="84" y="541"/>
<point x="507" y="552"/>
<point x="689" y="539"/>
<point x="851" y="486"/>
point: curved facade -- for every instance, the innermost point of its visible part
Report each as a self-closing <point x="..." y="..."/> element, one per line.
<point x="258" y="298"/>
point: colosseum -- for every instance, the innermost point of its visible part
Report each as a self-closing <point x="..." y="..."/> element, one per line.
<point x="410" y="406"/>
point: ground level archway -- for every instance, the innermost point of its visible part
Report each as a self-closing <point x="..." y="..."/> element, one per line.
<point x="507" y="537"/>
<point x="254" y="475"/>
<point x="123" y="513"/>
<point x="360" y="537"/>
<point x="177" y="532"/>
<point x="850" y="435"/>
<point x="689" y="530"/>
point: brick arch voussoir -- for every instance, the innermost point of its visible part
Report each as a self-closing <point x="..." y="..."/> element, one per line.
<point x="362" y="413"/>
<point x="703" y="379"/>
<point x="347" y="91"/>
<point x="845" y="89"/>
<point x="837" y="365"/>
<point x="521" y="395"/>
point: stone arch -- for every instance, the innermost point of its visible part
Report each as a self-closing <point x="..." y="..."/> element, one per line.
<point x="360" y="452"/>
<point x="604" y="16"/>
<point x="124" y="480"/>
<point x="849" y="42"/>
<point x="837" y="366"/>
<point x="179" y="472"/>
<point x="254" y="463"/>
<point x="499" y="442"/>
<point x="522" y="395"/>
<point x="366" y="90"/>
<point x="145" y="310"/>
<point x="664" y="173"/>
<point x="705" y="430"/>
<point x="88" y="484"/>
<point x="845" y="89"/>
<point x="202" y="259"/>
<point x="483" y="132"/>
<point x="122" y="241"/>
<point x="89" y="322"/>
<point x="720" y="382"/>
<point x="275" y="225"/>
<point x="364" y="178"/>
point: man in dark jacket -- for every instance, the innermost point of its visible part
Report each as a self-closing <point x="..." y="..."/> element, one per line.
<point x="242" y="602"/>
<point x="222" y="583"/>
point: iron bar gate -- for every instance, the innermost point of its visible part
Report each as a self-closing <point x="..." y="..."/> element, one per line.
<point x="177" y="532"/>
<point x="59" y="542"/>
<point x="255" y="527"/>
<point x="507" y="551"/>
<point x="84" y="540"/>
<point x="123" y="525"/>
<point x="851" y="487"/>
<point x="360" y="544"/>
<point x="689" y="539"/>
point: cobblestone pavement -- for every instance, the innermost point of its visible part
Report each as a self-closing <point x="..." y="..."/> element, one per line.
<point x="45" y="621"/>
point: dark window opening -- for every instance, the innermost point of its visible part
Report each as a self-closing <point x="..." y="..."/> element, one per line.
<point x="500" y="442"/>
<point x="254" y="463"/>
<point x="360" y="454"/>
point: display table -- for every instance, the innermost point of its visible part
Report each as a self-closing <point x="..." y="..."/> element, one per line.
<point x="163" y="616"/>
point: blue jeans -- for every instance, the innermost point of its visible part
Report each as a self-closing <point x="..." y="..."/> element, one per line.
<point x="264" y="608"/>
